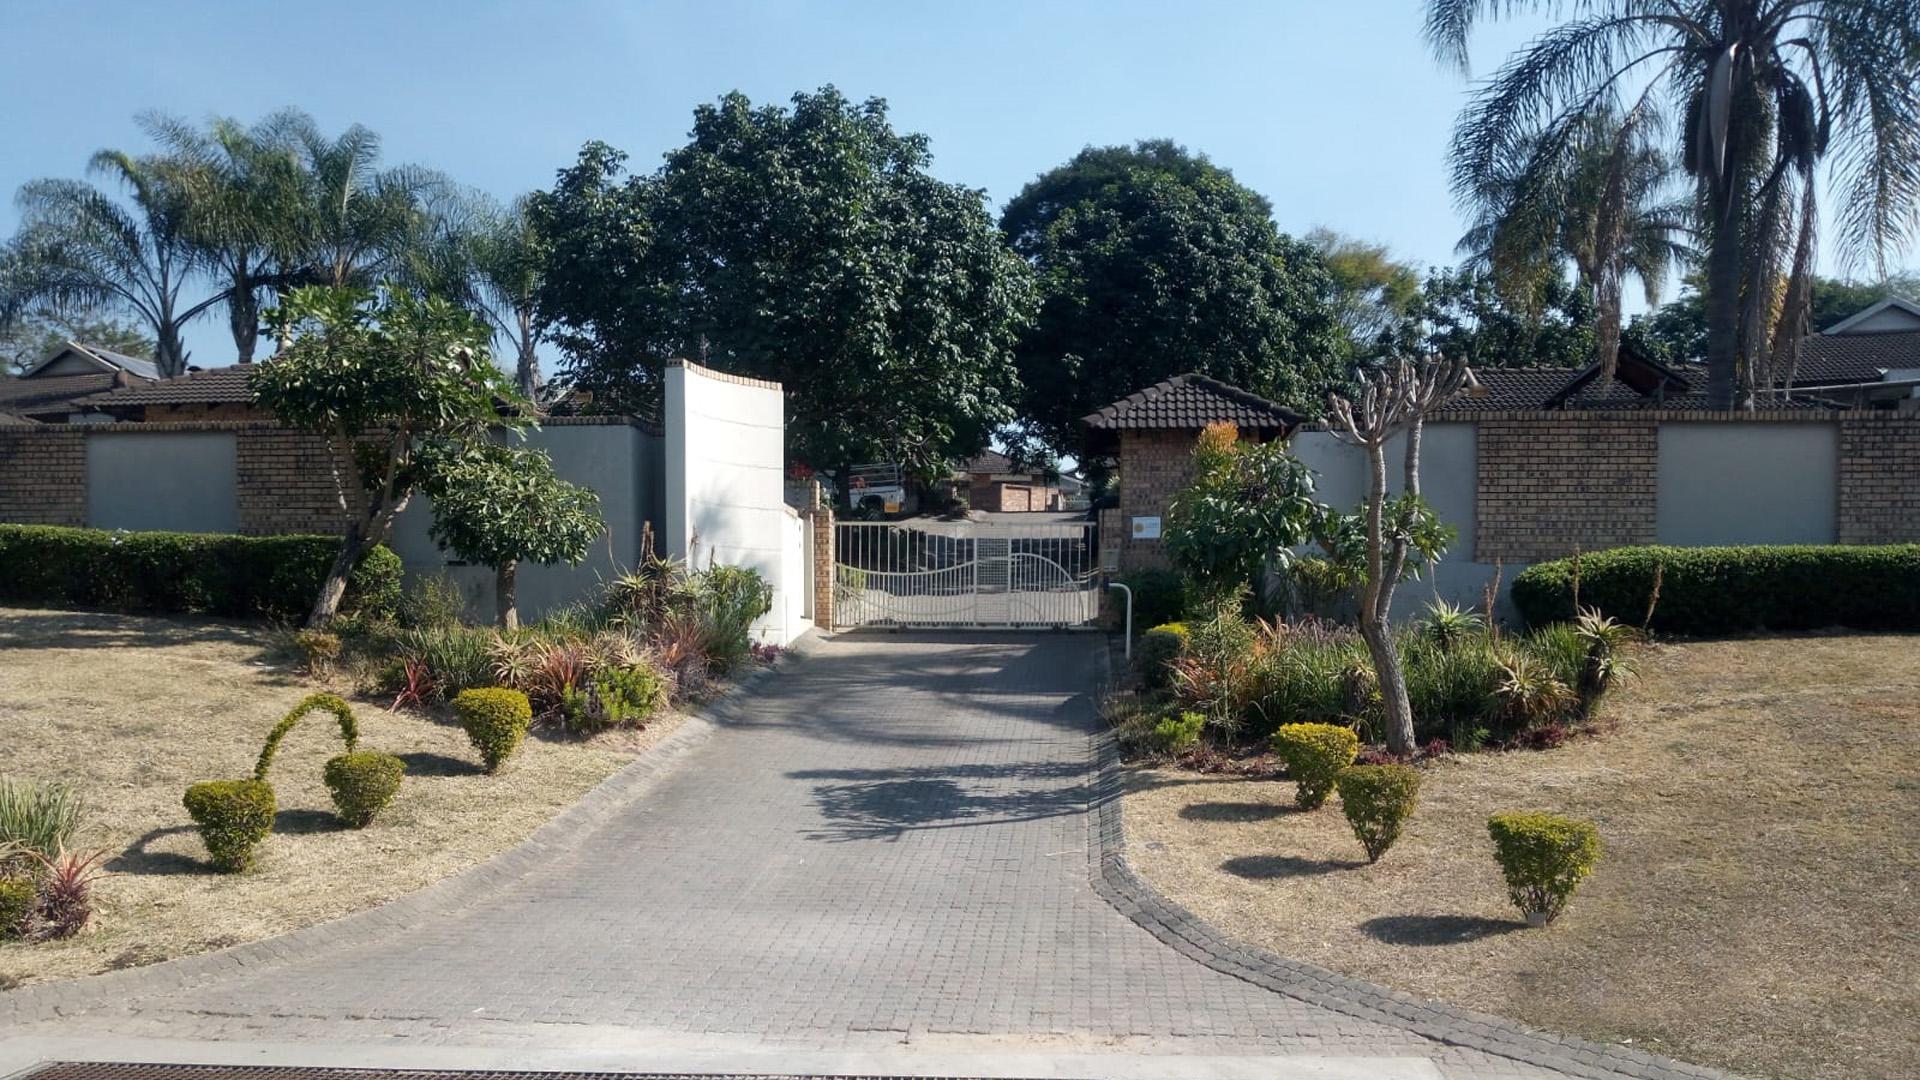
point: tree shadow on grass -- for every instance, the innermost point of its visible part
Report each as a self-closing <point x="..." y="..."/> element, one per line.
<point x="1268" y="867"/>
<point x="307" y="822"/>
<point x="138" y="859"/>
<point x="1436" y="929"/>
<point x="427" y="763"/>
<point x="1236" y="811"/>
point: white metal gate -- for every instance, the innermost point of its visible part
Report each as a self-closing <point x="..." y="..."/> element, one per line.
<point x="964" y="573"/>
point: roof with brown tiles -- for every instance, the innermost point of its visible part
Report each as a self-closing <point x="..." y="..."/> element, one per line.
<point x="1190" y="402"/>
<point x="1834" y="359"/>
<point x="217" y="386"/>
<point x="50" y="391"/>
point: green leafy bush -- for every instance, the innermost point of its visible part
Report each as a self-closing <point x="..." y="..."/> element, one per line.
<point x="1731" y="590"/>
<point x="1159" y="648"/>
<point x="432" y="602"/>
<point x="453" y="657"/>
<point x="1314" y="755"/>
<point x="495" y="720"/>
<point x="1378" y="800"/>
<point x="1159" y="597"/>
<point x="18" y="897"/>
<point x="615" y="696"/>
<point x="1177" y="732"/>
<point x="728" y="600"/>
<point x="240" y="576"/>
<point x="1301" y="679"/>
<point x="234" y="816"/>
<point x="331" y="704"/>
<point x="1544" y="858"/>
<point x="40" y="817"/>
<point x="363" y="783"/>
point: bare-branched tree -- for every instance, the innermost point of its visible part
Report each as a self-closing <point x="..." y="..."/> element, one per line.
<point x="1390" y="402"/>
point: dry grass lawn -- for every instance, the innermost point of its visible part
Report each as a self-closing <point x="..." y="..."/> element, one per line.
<point x="133" y="709"/>
<point x="1754" y="908"/>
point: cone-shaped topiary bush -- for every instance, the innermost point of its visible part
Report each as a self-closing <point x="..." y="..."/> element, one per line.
<point x="1544" y="858"/>
<point x="234" y="816"/>
<point x="1378" y="800"/>
<point x="362" y="784"/>
<point x="495" y="720"/>
<point x="1314" y="755"/>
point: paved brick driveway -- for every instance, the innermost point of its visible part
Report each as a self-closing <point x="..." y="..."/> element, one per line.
<point x="886" y="843"/>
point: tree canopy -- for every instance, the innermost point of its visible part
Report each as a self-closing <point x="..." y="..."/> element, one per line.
<point x="1154" y="261"/>
<point x="1463" y="313"/>
<point x="809" y="245"/>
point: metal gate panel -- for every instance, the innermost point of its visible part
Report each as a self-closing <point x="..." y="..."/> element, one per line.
<point x="965" y="574"/>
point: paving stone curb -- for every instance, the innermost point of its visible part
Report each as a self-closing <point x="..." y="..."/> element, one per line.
<point x="1115" y="880"/>
<point x="52" y="1001"/>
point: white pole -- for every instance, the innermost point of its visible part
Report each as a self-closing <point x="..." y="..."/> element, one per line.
<point x="1129" y="638"/>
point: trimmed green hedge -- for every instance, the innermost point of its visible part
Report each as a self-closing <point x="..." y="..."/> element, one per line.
<point x="1730" y="590"/>
<point x="209" y="573"/>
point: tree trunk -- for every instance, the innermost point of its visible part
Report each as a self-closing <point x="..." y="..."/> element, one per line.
<point x="170" y="353"/>
<point x="1724" y="275"/>
<point x="503" y="598"/>
<point x="1376" y="601"/>
<point x="527" y="373"/>
<point x="327" y="604"/>
<point x="243" y="315"/>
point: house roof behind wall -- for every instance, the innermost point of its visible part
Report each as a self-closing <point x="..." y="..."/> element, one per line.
<point x="1190" y="402"/>
<point x="50" y="393"/>
<point x="220" y="385"/>
<point x="1827" y="359"/>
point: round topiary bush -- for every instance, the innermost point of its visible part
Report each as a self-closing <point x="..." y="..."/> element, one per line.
<point x="1314" y="754"/>
<point x="17" y="899"/>
<point x="495" y="720"/>
<point x="1159" y="648"/>
<point x="1544" y="857"/>
<point x="234" y="816"/>
<point x="363" y="783"/>
<point x="1378" y="800"/>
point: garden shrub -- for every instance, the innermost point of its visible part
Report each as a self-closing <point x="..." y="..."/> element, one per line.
<point x="18" y="897"/>
<point x="1302" y="681"/>
<point x="65" y="904"/>
<point x="1177" y="732"/>
<point x="332" y="704"/>
<point x="728" y="600"/>
<point x="239" y="576"/>
<point x="234" y="816"/>
<point x="38" y="817"/>
<point x="1159" y="597"/>
<point x="1314" y="755"/>
<point x="1378" y="800"/>
<point x="495" y="720"/>
<point x="1544" y="858"/>
<point x="363" y="783"/>
<point x="452" y="658"/>
<point x="1529" y="696"/>
<point x="615" y="696"/>
<point x="1731" y="590"/>
<point x="432" y="602"/>
<point x="1159" y="647"/>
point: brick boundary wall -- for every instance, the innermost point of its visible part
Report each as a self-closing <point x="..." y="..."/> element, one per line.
<point x="1548" y="487"/>
<point x="283" y="479"/>
<point x="1879" y="483"/>
<point x="43" y="475"/>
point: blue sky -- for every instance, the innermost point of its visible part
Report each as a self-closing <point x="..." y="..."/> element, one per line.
<point x="1334" y="111"/>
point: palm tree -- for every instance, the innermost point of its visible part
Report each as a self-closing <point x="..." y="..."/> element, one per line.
<point x="506" y="268"/>
<point x="244" y="190"/>
<point x="358" y="221"/>
<point x="1761" y="92"/>
<point x="79" y="247"/>
<point x="1598" y="201"/>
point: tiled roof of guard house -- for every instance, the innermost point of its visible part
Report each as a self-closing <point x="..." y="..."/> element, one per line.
<point x="1190" y="402"/>
<point x="1838" y="359"/>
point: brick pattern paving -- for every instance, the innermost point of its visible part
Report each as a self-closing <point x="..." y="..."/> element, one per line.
<point x="899" y="838"/>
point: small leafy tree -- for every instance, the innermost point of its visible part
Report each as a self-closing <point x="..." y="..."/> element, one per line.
<point x="381" y="378"/>
<point x="1248" y="506"/>
<point x="503" y="505"/>
<point x="1391" y="402"/>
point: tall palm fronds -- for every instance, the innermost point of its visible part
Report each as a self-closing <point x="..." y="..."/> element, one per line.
<point x="77" y="246"/>
<point x="488" y="258"/>
<point x="1597" y="197"/>
<point x="359" y="221"/>
<point x="1760" y="92"/>
<point x="245" y="191"/>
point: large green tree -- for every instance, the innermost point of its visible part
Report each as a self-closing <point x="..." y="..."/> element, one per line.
<point x="393" y="383"/>
<point x="1464" y="313"/>
<point x="808" y="245"/>
<point x="1153" y="261"/>
<point x="1373" y="292"/>
<point x="1761" y="94"/>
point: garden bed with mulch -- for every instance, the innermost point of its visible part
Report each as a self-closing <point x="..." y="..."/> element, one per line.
<point x="133" y="709"/>
<point x="1754" y="907"/>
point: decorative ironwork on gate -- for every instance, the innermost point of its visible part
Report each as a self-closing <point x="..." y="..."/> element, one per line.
<point x="965" y="574"/>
